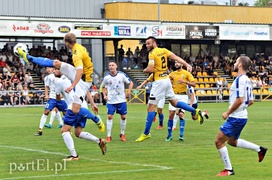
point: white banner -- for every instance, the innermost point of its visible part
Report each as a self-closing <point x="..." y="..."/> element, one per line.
<point x="40" y="29"/>
<point x="244" y="32"/>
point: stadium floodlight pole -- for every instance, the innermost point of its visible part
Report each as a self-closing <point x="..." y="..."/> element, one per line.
<point x="159" y="10"/>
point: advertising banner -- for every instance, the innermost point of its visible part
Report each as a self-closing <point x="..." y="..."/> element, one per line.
<point x="244" y="32"/>
<point x="202" y="32"/>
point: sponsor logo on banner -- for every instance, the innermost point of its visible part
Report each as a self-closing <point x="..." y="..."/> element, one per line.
<point x="88" y="26"/>
<point x="20" y="28"/>
<point x="156" y="31"/>
<point x="95" y="33"/>
<point x="202" y="32"/>
<point x="43" y="28"/>
<point x="64" y="29"/>
<point x="236" y="33"/>
<point x="3" y="27"/>
<point x="261" y="33"/>
<point x="122" y="31"/>
<point x="141" y="31"/>
<point x="175" y="31"/>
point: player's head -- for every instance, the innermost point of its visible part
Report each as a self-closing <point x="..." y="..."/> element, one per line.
<point x="150" y="43"/>
<point x="49" y="70"/>
<point x="69" y="40"/>
<point x="57" y="72"/>
<point x="112" y="67"/>
<point x="243" y="62"/>
<point x="178" y="65"/>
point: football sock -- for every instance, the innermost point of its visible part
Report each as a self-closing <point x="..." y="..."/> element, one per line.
<point x="123" y="124"/>
<point x="248" y="145"/>
<point x="149" y="120"/>
<point x="181" y="126"/>
<point x="186" y="107"/>
<point x="52" y="117"/>
<point x="69" y="142"/>
<point x="176" y="118"/>
<point x="59" y="118"/>
<point x="44" y="62"/>
<point x="224" y="155"/>
<point x="170" y="126"/>
<point x="84" y="112"/>
<point x="88" y="136"/>
<point x="42" y="121"/>
<point x="109" y="127"/>
<point x="161" y="117"/>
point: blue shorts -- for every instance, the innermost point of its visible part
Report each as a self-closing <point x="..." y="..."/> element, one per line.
<point x="52" y="103"/>
<point x="233" y="127"/>
<point x="75" y="120"/>
<point x="120" y="108"/>
<point x="195" y="105"/>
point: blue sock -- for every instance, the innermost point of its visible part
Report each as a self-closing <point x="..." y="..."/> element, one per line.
<point x="44" y="62"/>
<point x="186" y="107"/>
<point x="181" y="126"/>
<point x="170" y="126"/>
<point x="84" y="112"/>
<point x="161" y="116"/>
<point x="149" y="120"/>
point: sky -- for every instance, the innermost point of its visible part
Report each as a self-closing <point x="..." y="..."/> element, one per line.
<point x="250" y="2"/>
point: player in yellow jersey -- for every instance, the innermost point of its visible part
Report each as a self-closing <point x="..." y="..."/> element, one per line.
<point x="161" y="87"/>
<point x="180" y="80"/>
<point x="160" y="104"/>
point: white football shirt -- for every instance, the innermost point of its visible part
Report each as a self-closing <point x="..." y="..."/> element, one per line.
<point x="115" y="86"/>
<point x="50" y="81"/>
<point x="241" y="87"/>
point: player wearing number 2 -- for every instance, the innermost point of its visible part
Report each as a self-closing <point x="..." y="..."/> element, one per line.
<point x="162" y="87"/>
<point x="240" y="98"/>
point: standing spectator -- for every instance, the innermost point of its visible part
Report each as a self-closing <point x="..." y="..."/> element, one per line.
<point x="121" y="53"/>
<point x="136" y="56"/>
<point x="28" y="79"/>
<point x="144" y="56"/>
<point x="215" y="61"/>
<point x="129" y="55"/>
<point x="114" y="92"/>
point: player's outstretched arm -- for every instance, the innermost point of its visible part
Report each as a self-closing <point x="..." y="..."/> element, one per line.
<point x="180" y="60"/>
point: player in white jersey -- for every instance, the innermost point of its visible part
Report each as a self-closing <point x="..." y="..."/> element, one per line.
<point x="240" y="98"/>
<point x="114" y="92"/>
<point x="80" y="121"/>
<point x="51" y="103"/>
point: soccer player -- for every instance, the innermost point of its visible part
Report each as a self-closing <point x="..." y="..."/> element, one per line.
<point x="62" y="84"/>
<point x="161" y="87"/>
<point x="180" y="112"/>
<point x="50" y="88"/>
<point x="114" y="93"/>
<point x="83" y="70"/>
<point x="54" y="113"/>
<point x="240" y="98"/>
<point x="160" y="103"/>
<point x="180" y="79"/>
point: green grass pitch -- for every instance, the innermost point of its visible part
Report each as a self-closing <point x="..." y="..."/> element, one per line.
<point x="24" y="156"/>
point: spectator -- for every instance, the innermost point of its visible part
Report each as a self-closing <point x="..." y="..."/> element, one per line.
<point x="136" y="56"/>
<point x="260" y="82"/>
<point x="254" y="83"/>
<point x="129" y="55"/>
<point x="121" y="53"/>
<point x="143" y="56"/>
<point x="25" y="95"/>
<point x="11" y="96"/>
<point x="4" y="96"/>
<point x="225" y="83"/>
<point x="38" y="97"/>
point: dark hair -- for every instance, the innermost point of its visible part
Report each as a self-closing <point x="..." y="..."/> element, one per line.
<point x="112" y="61"/>
<point x="153" y="38"/>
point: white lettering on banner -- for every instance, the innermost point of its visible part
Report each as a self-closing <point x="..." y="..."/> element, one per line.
<point x="211" y="32"/>
<point x="141" y="31"/>
<point x="196" y="34"/>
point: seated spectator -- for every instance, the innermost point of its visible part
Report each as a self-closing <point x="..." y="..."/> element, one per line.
<point x="25" y="96"/>
<point x="4" y="96"/>
<point x="225" y="83"/>
<point x="260" y="82"/>
<point x="254" y="83"/>
<point x="38" y="97"/>
<point x="11" y="96"/>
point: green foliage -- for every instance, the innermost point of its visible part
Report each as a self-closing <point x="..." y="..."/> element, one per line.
<point x="194" y="158"/>
<point x="261" y="3"/>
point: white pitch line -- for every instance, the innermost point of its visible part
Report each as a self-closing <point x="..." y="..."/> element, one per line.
<point x="155" y="167"/>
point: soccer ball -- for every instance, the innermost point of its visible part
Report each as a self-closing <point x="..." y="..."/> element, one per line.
<point x="19" y="45"/>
